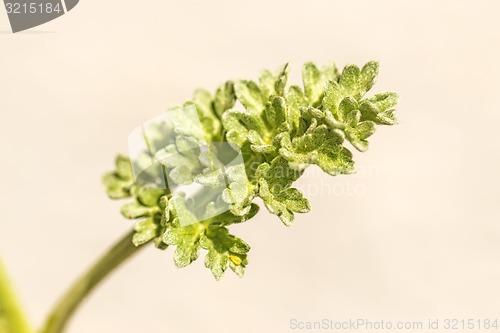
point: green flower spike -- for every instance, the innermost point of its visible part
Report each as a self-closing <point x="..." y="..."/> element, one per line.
<point x="281" y="129"/>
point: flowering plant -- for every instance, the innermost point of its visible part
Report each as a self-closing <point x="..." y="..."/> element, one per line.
<point x="278" y="129"/>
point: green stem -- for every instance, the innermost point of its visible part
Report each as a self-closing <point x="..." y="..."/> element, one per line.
<point x="70" y="301"/>
<point x="12" y="319"/>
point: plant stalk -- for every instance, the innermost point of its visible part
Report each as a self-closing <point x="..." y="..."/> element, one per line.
<point x="71" y="300"/>
<point x="12" y="318"/>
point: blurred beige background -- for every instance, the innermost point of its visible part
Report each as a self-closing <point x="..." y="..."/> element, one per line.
<point x="416" y="237"/>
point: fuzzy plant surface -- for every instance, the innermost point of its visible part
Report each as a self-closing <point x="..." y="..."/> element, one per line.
<point x="281" y="129"/>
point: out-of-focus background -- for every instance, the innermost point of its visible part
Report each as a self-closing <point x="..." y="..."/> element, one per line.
<point x="415" y="235"/>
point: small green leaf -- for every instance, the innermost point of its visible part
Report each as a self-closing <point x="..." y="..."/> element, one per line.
<point x="334" y="94"/>
<point x="350" y="79"/>
<point x="124" y="168"/>
<point x="267" y="82"/>
<point x="281" y="80"/>
<point x="380" y="108"/>
<point x="275" y="113"/>
<point x="263" y="149"/>
<point x="149" y="197"/>
<point x="311" y="78"/>
<point x="133" y="210"/>
<point x="229" y="217"/>
<point x="370" y="111"/>
<point x="384" y="101"/>
<point x="237" y="184"/>
<point x="279" y="201"/>
<point x="365" y="129"/>
<point x="217" y="262"/>
<point x="203" y="101"/>
<point x="145" y="231"/>
<point x="238" y="123"/>
<point x="186" y="239"/>
<point x="347" y="108"/>
<point x="225" y="98"/>
<point x="314" y="80"/>
<point x="330" y="72"/>
<point x="295" y="201"/>
<point x="335" y="160"/>
<point x="295" y="99"/>
<point x="224" y="250"/>
<point x="368" y="76"/>
<point x="249" y="95"/>
<point x="118" y="184"/>
<point x="116" y="187"/>
<point x="357" y="135"/>
<point x="387" y="117"/>
<point x="273" y="84"/>
<point x="275" y="191"/>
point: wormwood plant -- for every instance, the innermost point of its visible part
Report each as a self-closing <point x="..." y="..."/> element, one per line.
<point x="280" y="128"/>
